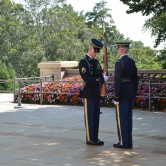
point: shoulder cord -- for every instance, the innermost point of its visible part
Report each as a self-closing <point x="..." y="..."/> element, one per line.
<point x="84" y="83"/>
<point x="121" y="63"/>
<point x="88" y="63"/>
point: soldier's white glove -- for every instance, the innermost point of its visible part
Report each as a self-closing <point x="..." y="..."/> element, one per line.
<point x="116" y="102"/>
<point x="106" y="78"/>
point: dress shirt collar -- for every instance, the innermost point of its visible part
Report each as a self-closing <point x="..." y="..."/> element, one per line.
<point x="123" y="55"/>
<point x="89" y="56"/>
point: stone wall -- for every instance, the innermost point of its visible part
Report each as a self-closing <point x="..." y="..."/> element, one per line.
<point x="61" y="69"/>
<point x="152" y="73"/>
<point x="56" y="68"/>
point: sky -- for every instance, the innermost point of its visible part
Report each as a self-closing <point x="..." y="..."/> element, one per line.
<point x="130" y="25"/>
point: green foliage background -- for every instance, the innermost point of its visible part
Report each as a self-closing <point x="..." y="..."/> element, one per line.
<point x="6" y="73"/>
<point x="47" y="30"/>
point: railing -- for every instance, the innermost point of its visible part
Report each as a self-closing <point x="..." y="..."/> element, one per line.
<point x="17" y="85"/>
<point x="16" y="82"/>
<point x="149" y="95"/>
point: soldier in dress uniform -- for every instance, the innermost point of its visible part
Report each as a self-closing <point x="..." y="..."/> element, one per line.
<point x="126" y="84"/>
<point x="92" y="75"/>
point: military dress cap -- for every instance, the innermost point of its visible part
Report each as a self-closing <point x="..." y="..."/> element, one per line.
<point x="97" y="45"/>
<point x="123" y="45"/>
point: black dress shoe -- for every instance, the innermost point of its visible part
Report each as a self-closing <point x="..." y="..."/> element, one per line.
<point x="121" y="146"/>
<point x="98" y="142"/>
<point x="92" y="142"/>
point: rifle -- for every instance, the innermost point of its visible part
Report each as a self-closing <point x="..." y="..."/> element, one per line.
<point x="105" y="68"/>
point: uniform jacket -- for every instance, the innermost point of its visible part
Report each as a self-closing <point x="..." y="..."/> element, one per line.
<point x="91" y="73"/>
<point x="126" y="79"/>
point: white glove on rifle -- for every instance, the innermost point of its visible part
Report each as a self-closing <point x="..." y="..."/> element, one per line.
<point x="106" y="78"/>
<point x="116" y="102"/>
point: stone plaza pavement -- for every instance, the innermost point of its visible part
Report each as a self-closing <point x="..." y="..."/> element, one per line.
<point x="54" y="135"/>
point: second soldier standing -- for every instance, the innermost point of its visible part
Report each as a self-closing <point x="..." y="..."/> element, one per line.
<point x="126" y="85"/>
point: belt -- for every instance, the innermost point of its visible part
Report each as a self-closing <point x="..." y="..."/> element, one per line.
<point x="125" y="79"/>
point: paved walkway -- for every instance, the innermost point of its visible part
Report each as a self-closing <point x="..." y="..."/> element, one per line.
<point x="44" y="135"/>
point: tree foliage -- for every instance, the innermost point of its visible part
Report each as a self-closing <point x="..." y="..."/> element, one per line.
<point x="161" y="58"/>
<point x="50" y="30"/>
<point x="5" y="74"/>
<point x="144" y="58"/>
<point x="157" y="27"/>
<point x="101" y="18"/>
<point x="146" y="7"/>
<point x="157" y="10"/>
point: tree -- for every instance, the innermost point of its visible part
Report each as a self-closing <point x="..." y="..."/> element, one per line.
<point x="4" y="75"/>
<point x="17" y="38"/>
<point x="144" y="58"/>
<point x="11" y="70"/>
<point x="100" y="18"/>
<point x="52" y="30"/>
<point x="157" y="27"/>
<point x="161" y="58"/>
<point x="99" y="15"/>
<point x="62" y="31"/>
<point x="70" y="34"/>
<point x="155" y="8"/>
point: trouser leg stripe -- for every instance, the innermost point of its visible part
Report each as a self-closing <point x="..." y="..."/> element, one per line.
<point x="86" y="118"/>
<point x="119" y="123"/>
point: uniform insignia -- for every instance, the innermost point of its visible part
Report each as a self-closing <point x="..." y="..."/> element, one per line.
<point x="98" y="67"/>
<point x="83" y="70"/>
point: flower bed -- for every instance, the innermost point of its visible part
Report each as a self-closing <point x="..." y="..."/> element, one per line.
<point x="67" y="91"/>
<point x="158" y="89"/>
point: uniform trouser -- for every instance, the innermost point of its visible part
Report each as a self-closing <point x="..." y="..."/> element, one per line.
<point x="92" y="114"/>
<point x="124" y="122"/>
